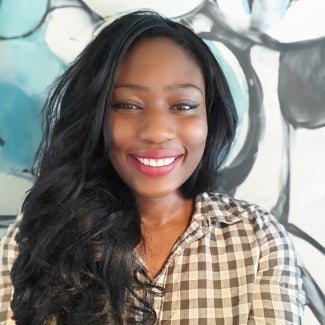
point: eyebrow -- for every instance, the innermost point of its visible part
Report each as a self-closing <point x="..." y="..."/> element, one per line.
<point x="184" y="86"/>
<point x="172" y="87"/>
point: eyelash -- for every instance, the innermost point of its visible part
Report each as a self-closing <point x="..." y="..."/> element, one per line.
<point x="176" y="107"/>
<point x="180" y="106"/>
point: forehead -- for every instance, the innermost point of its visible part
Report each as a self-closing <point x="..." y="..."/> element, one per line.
<point x="159" y="59"/>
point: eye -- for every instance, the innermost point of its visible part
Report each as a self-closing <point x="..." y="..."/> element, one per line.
<point x="184" y="106"/>
<point x="125" y="105"/>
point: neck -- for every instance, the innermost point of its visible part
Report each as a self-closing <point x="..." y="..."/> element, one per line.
<point x="158" y="212"/>
<point x="163" y="222"/>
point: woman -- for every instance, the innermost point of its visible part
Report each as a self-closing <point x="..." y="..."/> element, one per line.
<point x="121" y="225"/>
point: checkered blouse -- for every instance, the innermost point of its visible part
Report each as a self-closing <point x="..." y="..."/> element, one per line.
<point x="235" y="264"/>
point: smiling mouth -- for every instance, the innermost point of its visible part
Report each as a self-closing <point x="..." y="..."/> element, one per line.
<point x="156" y="162"/>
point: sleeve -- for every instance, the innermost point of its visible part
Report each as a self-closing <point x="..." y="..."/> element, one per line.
<point x="8" y="254"/>
<point x="278" y="297"/>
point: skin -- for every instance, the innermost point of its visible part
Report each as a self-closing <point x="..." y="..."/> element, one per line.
<point x="157" y="112"/>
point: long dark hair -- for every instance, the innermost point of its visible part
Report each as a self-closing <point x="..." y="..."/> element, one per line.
<point x="76" y="259"/>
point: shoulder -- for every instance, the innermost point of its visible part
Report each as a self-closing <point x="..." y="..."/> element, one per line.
<point x="223" y="211"/>
<point x="8" y="244"/>
<point x="229" y="208"/>
<point x="9" y="247"/>
<point x="8" y="254"/>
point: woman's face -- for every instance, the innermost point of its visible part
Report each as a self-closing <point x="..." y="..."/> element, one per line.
<point x="158" y="118"/>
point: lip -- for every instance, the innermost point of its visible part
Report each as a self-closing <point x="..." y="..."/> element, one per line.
<point x="157" y="171"/>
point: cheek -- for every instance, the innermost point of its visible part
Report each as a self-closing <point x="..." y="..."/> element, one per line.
<point x="195" y="135"/>
<point x="122" y="131"/>
<point x="121" y="135"/>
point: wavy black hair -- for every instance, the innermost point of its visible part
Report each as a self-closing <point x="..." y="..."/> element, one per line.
<point x="80" y="225"/>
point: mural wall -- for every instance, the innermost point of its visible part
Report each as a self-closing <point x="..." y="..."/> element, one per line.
<point x="274" y="53"/>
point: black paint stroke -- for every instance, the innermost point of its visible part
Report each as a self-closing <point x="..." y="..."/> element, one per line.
<point x="315" y="298"/>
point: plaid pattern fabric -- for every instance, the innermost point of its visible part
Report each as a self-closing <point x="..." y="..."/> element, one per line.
<point x="235" y="264"/>
<point x="8" y="253"/>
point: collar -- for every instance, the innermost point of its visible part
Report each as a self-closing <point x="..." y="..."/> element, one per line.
<point x="214" y="210"/>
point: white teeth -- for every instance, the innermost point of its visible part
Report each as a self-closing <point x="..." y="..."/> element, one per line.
<point x="156" y="162"/>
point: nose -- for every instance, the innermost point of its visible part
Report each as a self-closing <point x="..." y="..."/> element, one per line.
<point x="157" y="126"/>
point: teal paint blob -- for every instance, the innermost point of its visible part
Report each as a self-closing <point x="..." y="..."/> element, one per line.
<point x="29" y="64"/>
<point x="27" y="68"/>
<point x="19" y="17"/>
<point x="20" y="128"/>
